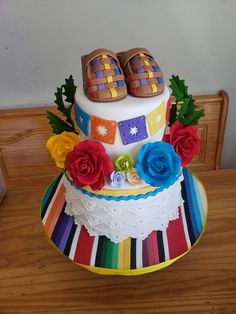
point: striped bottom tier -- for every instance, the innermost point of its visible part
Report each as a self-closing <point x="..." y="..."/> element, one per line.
<point x="131" y="256"/>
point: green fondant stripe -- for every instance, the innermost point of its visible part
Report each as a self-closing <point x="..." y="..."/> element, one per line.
<point x="111" y="256"/>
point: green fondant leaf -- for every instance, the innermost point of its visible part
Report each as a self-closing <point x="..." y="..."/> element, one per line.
<point x="192" y="118"/>
<point x="185" y="108"/>
<point x="178" y="87"/>
<point x="58" y="125"/>
<point x="69" y="89"/>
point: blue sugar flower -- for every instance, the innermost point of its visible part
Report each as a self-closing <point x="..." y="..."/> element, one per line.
<point x="158" y="164"/>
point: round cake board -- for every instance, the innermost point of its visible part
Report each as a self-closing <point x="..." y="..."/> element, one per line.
<point x="131" y="256"/>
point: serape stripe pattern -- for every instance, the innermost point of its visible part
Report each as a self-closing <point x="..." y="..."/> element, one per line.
<point x="160" y="246"/>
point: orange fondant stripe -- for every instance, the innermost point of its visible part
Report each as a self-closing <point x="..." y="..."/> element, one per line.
<point x="55" y="211"/>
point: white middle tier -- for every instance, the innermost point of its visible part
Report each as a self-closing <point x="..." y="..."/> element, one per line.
<point x="127" y="108"/>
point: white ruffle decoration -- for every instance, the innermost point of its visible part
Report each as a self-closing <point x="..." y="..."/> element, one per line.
<point x="118" y="220"/>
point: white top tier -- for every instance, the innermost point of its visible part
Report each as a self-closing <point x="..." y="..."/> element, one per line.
<point x="127" y="108"/>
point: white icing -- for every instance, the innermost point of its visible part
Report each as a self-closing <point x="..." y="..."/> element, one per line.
<point x="127" y="108"/>
<point x="118" y="220"/>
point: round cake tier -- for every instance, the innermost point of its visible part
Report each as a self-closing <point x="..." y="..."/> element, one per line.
<point x="122" y="126"/>
<point x="131" y="256"/>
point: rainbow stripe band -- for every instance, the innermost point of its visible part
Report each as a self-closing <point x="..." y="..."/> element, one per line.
<point x="131" y="256"/>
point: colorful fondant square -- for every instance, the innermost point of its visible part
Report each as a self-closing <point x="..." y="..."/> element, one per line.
<point x="82" y="119"/>
<point x="157" y="118"/>
<point x="103" y="130"/>
<point x="133" y="130"/>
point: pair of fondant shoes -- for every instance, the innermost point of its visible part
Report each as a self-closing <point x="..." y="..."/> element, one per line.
<point x="108" y="76"/>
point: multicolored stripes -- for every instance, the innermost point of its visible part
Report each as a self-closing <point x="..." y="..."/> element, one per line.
<point x="75" y="242"/>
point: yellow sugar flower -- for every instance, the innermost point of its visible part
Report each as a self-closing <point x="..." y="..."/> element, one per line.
<point x="60" y="145"/>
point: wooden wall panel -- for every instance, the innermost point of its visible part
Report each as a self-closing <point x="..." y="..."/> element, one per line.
<point x="211" y="131"/>
<point x="23" y="135"/>
<point x="24" y="132"/>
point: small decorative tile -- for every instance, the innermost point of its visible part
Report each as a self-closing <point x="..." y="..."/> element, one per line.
<point x="99" y="74"/>
<point x="96" y="63"/>
<point x="143" y="81"/>
<point x="117" y="71"/>
<point x="140" y="70"/>
<point x="155" y="68"/>
<point x="160" y="80"/>
<point x="103" y="130"/>
<point x="133" y="130"/>
<point x="82" y="119"/>
<point x="157" y="118"/>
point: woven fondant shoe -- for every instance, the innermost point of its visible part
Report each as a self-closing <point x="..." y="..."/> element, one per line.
<point x="103" y="77"/>
<point x="143" y="75"/>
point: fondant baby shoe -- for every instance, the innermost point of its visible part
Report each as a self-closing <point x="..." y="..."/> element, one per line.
<point x="143" y="75"/>
<point x="103" y="78"/>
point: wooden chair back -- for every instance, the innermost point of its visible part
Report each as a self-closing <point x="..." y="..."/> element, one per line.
<point x="24" y="132"/>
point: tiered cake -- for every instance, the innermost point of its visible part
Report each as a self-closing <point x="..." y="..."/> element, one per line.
<point x="124" y="203"/>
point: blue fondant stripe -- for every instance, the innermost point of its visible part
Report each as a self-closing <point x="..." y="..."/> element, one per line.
<point x="200" y="198"/>
<point x="190" y="204"/>
<point x="49" y="194"/>
<point x="197" y="212"/>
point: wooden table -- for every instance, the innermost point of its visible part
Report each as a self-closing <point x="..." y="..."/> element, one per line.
<point x="35" y="278"/>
